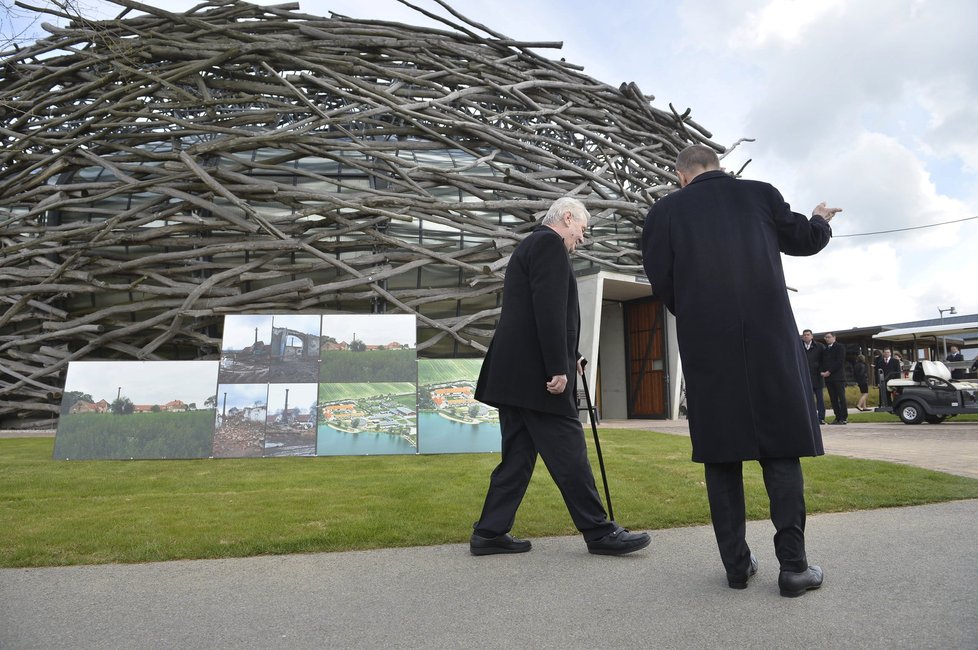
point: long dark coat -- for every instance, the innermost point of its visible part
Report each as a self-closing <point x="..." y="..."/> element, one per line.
<point x="538" y="331"/>
<point x="712" y="252"/>
<point x="814" y="355"/>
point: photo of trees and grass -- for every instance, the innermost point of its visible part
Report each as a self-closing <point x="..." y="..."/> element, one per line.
<point x="371" y="348"/>
<point x="137" y="409"/>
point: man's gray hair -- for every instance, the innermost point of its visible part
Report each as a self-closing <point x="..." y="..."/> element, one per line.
<point x="562" y="205"/>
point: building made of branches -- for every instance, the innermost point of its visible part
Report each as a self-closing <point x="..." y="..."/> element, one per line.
<point x="160" y="171"/>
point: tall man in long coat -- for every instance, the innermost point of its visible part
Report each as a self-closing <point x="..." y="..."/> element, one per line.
<point x="833" y="371"/>
<point x="712" y="251"/>
<point x="814" y="351"/>
<point x="529" y="374"/>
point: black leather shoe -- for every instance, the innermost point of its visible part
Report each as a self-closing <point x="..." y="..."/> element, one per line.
<point x="821" y="421"/>
<point x="618" y="542"/>
<point x="794" y="584"/>
<point x="504" y="543"/>
<point x="739" y="580"/>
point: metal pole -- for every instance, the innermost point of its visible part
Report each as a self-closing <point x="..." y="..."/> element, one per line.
<point x="597" y="443"/>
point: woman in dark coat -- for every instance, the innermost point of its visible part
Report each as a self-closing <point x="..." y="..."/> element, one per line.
<point x="860" y="372"/>
<point x="712" y="252"/>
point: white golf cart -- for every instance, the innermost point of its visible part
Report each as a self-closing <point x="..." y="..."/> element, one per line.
<point x="928" y="392"/>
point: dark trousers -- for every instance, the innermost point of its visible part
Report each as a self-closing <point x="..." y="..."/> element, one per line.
<point x="560" y="442"/>
<point x="837" y="395"/>
<point x="786" y="493"/>
<point x="819" y="398"/>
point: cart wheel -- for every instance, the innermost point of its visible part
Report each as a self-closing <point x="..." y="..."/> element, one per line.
<point x="935" y="419"/>
<point x="911" y="412"/>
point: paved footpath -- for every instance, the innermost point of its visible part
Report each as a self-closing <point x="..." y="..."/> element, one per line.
<point x="895" y="578"/>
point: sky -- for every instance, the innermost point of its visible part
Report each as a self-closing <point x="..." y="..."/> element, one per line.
<point x="144" y="382"/>
<point x="869" y="105"/>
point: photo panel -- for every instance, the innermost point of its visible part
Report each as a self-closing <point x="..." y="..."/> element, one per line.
<point x="245" y="349"/>
<point x="294" y="349"/>
<point x="369" y="348"/>
<point x="239" y="430"/>
<point x="367" y="419"/>
<point x="290" y="423"/>
<point x="450" y="420"/>
<point x="137" y="409"/>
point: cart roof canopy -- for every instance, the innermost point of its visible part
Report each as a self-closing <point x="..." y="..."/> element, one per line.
<point x="961" y="331"/>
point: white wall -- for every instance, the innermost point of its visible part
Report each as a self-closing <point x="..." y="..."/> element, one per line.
<point x="614" y="387"/>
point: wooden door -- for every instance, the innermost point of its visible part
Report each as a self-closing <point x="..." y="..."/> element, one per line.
<point x="645" y="352"/>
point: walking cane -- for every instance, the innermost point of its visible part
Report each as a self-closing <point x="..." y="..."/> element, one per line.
<point x="597" y="443"/>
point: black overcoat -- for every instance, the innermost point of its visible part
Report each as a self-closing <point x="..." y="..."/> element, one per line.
<point x="834" y="361"/>
<point x="712" y="252"/>
<point x="538" y="331"/>
<point x="814" y="355"/>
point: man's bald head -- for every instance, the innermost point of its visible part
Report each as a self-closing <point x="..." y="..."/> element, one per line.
<point x="693" y="161"/>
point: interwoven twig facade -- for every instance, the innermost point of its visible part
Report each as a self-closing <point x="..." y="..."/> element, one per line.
<point x="161" y="171"/>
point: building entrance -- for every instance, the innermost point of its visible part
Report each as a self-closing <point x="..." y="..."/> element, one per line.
<point x="645" y="354"/>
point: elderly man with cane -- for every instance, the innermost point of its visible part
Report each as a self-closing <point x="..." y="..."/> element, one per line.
<point x="529" y="375"/>
<point x="712" y="252"/>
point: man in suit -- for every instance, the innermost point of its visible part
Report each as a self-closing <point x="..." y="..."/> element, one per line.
<point x="834" y="373"/>
<point x="529" y="375"/>
<point x="712" y="252"/>
<point x="885" y="365"/>
<point x="813" y="351"/>
<point x="955" y="355"/>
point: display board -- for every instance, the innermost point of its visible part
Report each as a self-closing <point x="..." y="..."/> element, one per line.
<point x="285" y="385"/>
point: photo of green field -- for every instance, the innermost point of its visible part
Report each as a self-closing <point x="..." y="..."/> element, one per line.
<point x="350" y="366"/>
<point x="333" y="392"/>
<point x="90" y="436"/>
<point x="443" y="371"/>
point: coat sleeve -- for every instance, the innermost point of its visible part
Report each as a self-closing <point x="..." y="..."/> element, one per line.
<point x="798" y="235"/>
<point x="549" y="272"/>
<point x="657" y="256"/>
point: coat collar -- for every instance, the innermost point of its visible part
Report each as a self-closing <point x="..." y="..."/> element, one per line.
<point x="710" y="175"/>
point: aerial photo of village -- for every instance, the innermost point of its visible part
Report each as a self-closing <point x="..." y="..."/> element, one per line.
<point x="374" y="418"/>
<point x="450" y="419"/>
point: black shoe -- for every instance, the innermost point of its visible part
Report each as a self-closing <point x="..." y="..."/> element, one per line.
<point x="821" y="421"/>
<point x="739" y="580"/>
<point x="504" y="543"/>
<point x="794" y="584"/>
<point x="618" y="542"/>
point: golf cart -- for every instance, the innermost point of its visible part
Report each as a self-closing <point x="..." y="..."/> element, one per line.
<point x="927" y="393"/>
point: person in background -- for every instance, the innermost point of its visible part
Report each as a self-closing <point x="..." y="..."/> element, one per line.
<point x="886" y="365"/>
<point x="834" y="373"/>
<point x="813" y="351"/>
<point x="860" y="372"/>
<point x="529" y="374"/>
<point x="955" y="355"/>
<point x="712" y="253"/>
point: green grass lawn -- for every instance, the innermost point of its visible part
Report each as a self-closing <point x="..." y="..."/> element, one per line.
<point x="89" y="512"/>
